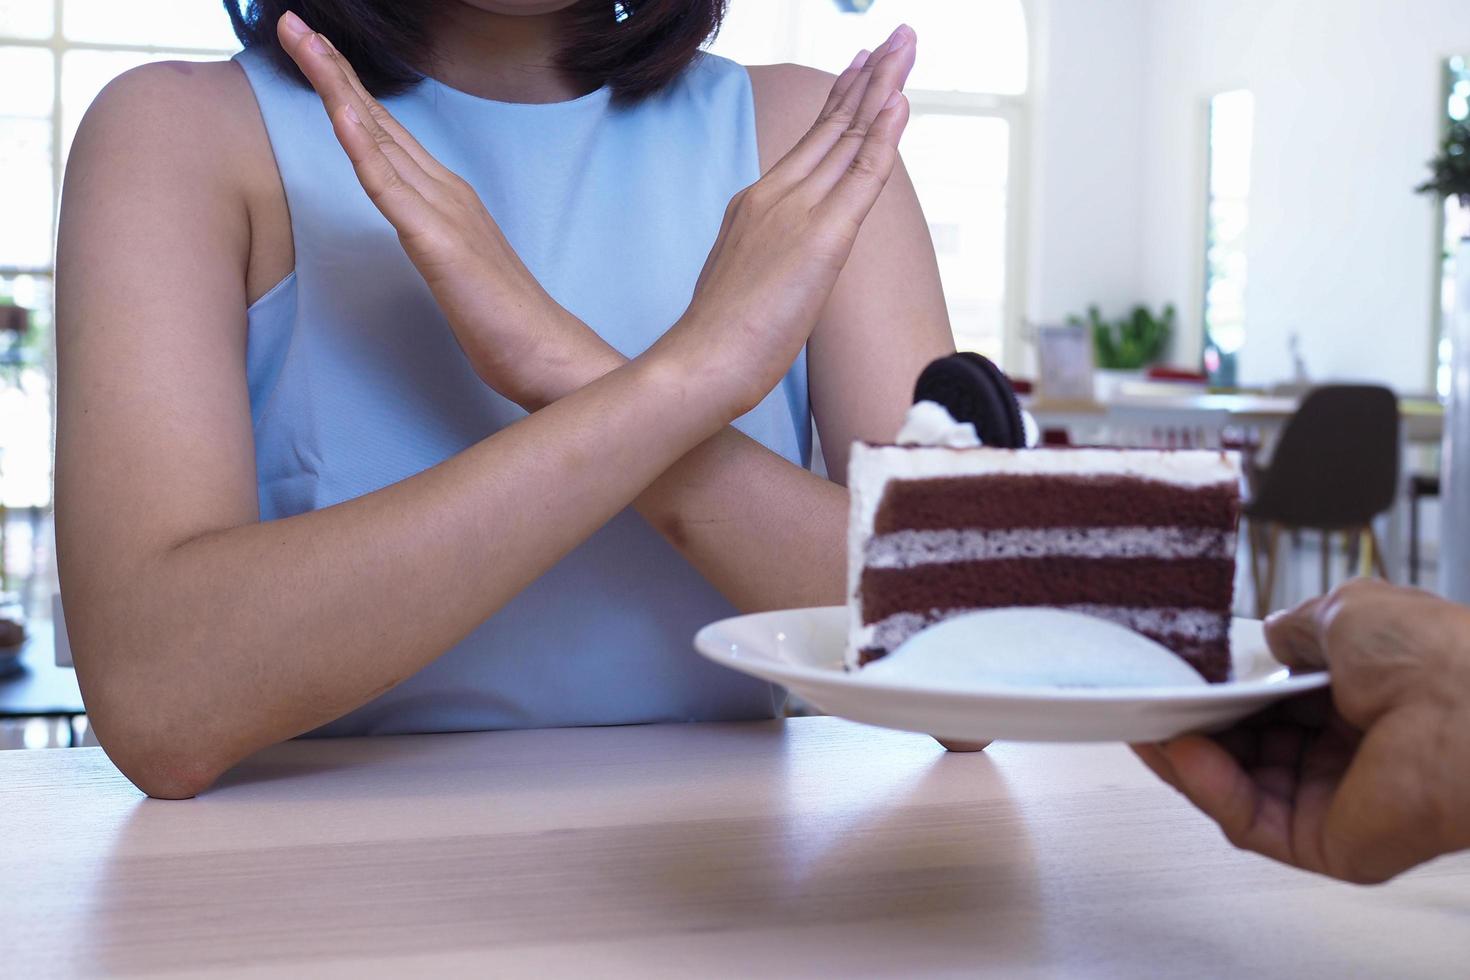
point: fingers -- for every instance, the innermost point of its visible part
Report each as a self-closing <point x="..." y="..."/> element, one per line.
<point x="1379" y="822"/>
<point x="381" y="117"/>
<point x="1295" y="636"/>
<point x="860" y="185"/>
<point x="1215" y="783"/>
<point x="883" y="94"/>
<point x="1152" y="757"/>
<point x="400" y="202"/>
<point x="845" y="81"/>
<point x="842" y="107"/>
<point x="393" y="179"/>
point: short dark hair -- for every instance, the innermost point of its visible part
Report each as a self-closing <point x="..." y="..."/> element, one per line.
<point x="635" y="47"/>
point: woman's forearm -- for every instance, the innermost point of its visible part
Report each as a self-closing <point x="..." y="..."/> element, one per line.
<point x="764" y="531"/>
<point x="235" y="639"/>
<point x="202" y="634"/>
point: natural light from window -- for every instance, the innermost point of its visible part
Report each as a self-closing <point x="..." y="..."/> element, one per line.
<point x="1231" y="134"/>
<point x="962" y="148"/>
<point x="55" y="56"/>
<point x="1456" y="224"/>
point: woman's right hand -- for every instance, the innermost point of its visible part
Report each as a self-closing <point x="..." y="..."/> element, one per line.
<point x="518" y="339"/>
<point x="786" y="238"/>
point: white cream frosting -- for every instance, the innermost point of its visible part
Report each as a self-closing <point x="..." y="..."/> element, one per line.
<point x="1030" y="648"/>
<point x="908" y="549"/>
<point x="930" y="424"/>
<point x="1181" y="625"/>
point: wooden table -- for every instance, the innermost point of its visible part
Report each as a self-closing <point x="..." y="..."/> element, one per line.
<point x="810" y="847"/>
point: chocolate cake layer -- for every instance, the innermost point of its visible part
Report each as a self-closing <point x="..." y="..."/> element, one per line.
<point x="1011" y="501"/>
<point x="1142" y="538"/>
<point x="1128" y="582"/>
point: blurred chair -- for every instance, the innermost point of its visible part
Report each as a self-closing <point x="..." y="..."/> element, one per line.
<point x="1421" y="485"/>
<point x="1334" y="469"/>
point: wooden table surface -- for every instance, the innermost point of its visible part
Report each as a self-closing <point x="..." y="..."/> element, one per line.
<point x="810" y="847"/>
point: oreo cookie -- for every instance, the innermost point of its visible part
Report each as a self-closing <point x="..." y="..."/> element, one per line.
<point x="974" y="390"/>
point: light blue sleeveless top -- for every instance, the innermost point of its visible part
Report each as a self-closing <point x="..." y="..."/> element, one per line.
<point x="356" y="381"/>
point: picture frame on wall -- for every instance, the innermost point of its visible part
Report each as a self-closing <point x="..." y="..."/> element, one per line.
<point x="1065" y="365"/>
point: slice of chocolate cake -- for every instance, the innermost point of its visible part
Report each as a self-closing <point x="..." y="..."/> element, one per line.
<point x="1143" y="538"/>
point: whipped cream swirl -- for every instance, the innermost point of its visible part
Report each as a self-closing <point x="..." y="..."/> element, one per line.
<point x="930" y="424"/>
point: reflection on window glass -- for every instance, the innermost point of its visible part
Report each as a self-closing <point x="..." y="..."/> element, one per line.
<point x="149" y="23"/>
<point x="1456" y="221"/>
<point x="27" y="133"/>
<point x="25" y="193"/>
<point x="25" y="396"/>
<point x="25" y="157"/>
<point x="25" y="82"/>
<point x="85" y="73"/>
<point x="1232" y="126"/>
<point x="960" y="166"/>
<point x="25" y="18"/>
<point x="974" y="46"/>
<point x="957" y="148"/>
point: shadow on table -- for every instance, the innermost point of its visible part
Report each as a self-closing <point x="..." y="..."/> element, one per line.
<point x="799" y="843"/>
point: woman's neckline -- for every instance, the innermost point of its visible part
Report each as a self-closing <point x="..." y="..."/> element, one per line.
<point x="597" y="97"/>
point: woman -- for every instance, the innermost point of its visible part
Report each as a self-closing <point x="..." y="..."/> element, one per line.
<point x="298" y="487"/>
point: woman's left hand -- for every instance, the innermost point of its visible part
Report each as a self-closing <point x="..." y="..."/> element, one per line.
<point x="519" y="340"/>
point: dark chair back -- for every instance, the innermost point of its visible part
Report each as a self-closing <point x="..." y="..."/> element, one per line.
<point x="1336" y="465"/>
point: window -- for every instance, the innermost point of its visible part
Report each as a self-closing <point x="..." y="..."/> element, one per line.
<point x="965" y="144"/>
<point x="55" y="56"/>
<point x="1231" y="132"/>
<point x="1456" y="226"/>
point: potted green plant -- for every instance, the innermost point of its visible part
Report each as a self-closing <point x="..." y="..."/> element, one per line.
<point x="1124" y="348"/>
<point x="1451" y="169"/>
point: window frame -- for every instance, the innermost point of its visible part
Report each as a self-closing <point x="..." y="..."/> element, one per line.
<point x="59" y="45"/>
<point x="1206" y="224"/>
<point x="1015" y="110"/>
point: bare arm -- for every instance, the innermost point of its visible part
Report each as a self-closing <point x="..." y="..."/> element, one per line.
<point x="202" y="634"/>
<point x="767" y="533"/>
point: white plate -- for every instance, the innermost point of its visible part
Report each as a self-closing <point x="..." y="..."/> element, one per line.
<point x="801" y="650"/>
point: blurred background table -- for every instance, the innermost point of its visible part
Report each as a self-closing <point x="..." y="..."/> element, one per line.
<point x="41" y="689"/>
<point x="813" y="846"/>
<point x="1147" y="414"/>
<point x="1155" y="410"/>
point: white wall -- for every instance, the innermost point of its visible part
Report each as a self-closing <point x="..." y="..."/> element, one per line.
<point x="1347" y="112"/>
<point x="1087" y="156"/>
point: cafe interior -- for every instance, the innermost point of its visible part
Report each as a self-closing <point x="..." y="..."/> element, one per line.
<point x="1235" y="225"/>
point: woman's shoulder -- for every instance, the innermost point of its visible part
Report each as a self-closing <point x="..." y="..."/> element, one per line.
<point x="174" y="99"/>
<point x="787" y="101"/>
<point x="188" y="129"/>
<point x="191" y="118"/>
